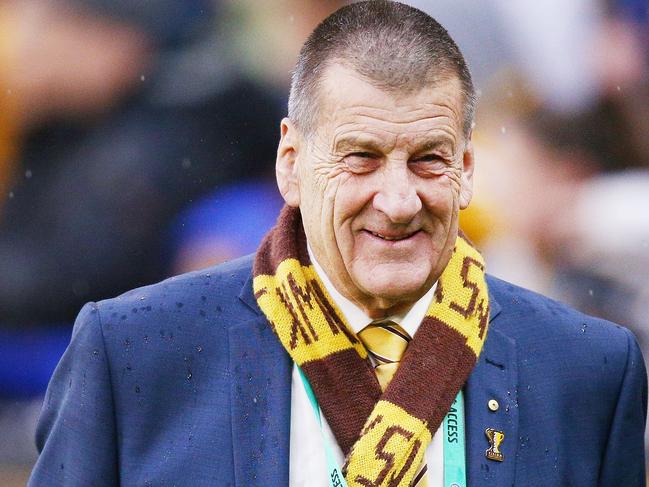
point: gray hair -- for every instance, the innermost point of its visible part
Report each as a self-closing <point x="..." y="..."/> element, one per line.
<point x="396" y="47"/>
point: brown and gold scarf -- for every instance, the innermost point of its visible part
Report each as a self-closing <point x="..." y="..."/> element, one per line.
<point x="382" y="434"/>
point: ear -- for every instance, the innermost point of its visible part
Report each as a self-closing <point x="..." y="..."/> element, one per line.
<point x="468" y="165"/>
<point x="286" y="168"/>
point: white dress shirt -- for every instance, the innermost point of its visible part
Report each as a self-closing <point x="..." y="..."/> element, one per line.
<point x="307" y="466"/>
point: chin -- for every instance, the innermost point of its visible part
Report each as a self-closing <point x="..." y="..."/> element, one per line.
<point x="395" y="283"/>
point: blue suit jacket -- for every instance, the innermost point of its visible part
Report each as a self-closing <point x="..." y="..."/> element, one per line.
<point x="183" y="383"/>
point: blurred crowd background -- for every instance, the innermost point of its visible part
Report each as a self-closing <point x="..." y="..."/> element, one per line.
<point x="137" y="141"/>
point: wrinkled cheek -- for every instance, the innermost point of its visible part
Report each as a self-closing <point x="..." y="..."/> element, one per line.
<point x="327" y="213"/>
<point x="442" y="197"/>
<point x="335" y="197"/>
<point x="453" y="180"/>
<point x="443" y="203"/>
<point x="346" y="207"/>
<point x="321" y="182"/>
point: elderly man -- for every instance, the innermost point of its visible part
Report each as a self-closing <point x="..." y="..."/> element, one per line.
<point x="363" y="344"/>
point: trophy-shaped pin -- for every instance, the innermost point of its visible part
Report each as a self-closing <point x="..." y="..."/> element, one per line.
<point x="495" y="439"/>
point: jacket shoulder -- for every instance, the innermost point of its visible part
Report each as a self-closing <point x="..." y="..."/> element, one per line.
<point x="538" y="322"/>
<point x="194" y="296"/>
<point x="178" y="316"/>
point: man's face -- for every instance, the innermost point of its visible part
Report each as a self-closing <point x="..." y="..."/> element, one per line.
<point x="379" y="185"/>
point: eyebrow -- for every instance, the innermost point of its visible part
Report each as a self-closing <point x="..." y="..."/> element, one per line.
<point x="357" y="143"/>
<point x="430" y="145"/>
<point x="370" y="145"/>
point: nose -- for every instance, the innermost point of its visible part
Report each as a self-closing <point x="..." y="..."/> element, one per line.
<point x="397" y="198"/>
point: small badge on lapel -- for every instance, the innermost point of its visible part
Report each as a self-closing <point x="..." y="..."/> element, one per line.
<point x="495" y="439"/>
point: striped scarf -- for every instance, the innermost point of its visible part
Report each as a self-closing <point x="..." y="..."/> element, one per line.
<point x="382" y="434"/>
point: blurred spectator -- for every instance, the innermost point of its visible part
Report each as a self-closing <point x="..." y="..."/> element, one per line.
<point x="226" y="224"/>
<point x="118" y="126"/>
<point x="113" y="116"/>
<point x="231" y="221"/>
<point x="267" y="36"/>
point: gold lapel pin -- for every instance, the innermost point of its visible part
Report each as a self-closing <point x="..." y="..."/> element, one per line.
<point x="495" y="439"/>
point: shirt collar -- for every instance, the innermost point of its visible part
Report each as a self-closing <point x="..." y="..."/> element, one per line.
<point x="356" y="317"/>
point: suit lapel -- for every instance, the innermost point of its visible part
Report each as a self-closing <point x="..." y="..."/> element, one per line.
<point x="494" y="378"/>
<point x="260" y="401"/>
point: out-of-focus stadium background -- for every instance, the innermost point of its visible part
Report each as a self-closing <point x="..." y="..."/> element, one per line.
<point x="137" y="140"/>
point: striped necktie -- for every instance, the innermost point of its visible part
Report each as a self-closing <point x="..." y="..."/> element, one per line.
<point x="386" y="342"/>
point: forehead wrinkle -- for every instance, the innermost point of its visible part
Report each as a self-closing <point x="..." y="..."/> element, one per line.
<point x="436" y="137"/>
<point x="372" y="125"/>
<point x="385" y="140"/>
<point x="395" y="115"/>
<point x="397" y="125"/>
<point x="442" y="96"/>
<point x="369" y="136"/>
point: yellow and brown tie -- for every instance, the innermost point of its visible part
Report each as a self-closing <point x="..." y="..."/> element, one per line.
<point x="386" y="342"/>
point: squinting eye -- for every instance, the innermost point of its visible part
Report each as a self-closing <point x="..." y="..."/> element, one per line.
<point x="362" y="162"/>
<point x="366" y="155"/>
<point x="428" y="165"/>
<point x="427" y="158"/>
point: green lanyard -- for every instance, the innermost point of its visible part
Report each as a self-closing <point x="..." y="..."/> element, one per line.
<point x="454" y="454"/>
<point x="453" y="429"/>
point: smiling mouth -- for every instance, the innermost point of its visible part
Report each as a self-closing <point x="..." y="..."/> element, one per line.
<point x="392" y="238"/>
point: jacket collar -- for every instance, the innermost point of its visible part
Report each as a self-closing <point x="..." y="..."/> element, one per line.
<point x="247" y="295"/>
<point x="494" y="378"/>
<point x="261" y="402"/>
